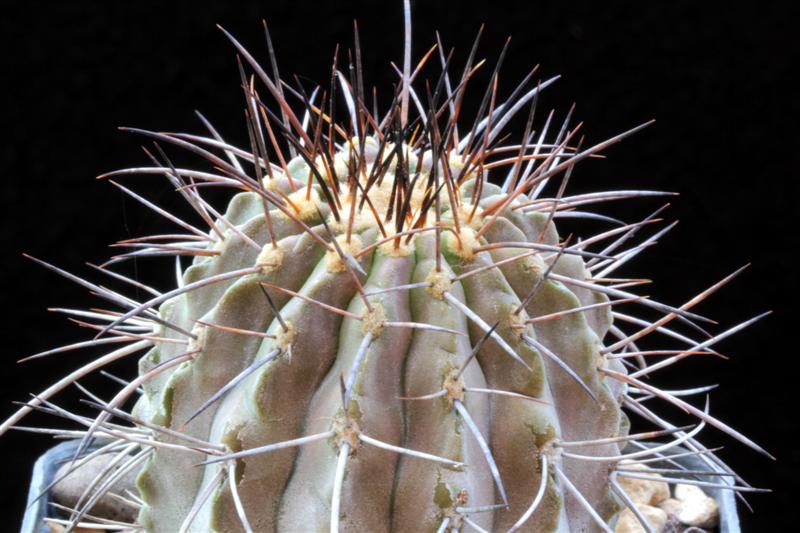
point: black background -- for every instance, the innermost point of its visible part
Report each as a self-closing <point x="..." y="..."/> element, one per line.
<point x="716" y="77"/>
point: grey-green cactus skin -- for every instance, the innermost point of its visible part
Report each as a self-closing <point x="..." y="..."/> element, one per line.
<point x="298" y="392"/>
<point x="376" y="337"/>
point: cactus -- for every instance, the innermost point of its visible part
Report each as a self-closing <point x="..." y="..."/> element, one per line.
<point x="384" y="329"/>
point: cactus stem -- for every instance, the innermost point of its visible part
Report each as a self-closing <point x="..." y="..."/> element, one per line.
<point x="581" y="499"/>
<point x="237" y="502"/>
<point x="181" y="290"/>
<point x="480" y="508"/>
<point x="476" y="350"/>
<point x="269" y="448"/>
<point x="323" y="305"/>
<point x="345" y="260"/>
<point x="232" y="227"/>
<point x="419" y="325"/>
<point x="236" y="330"/>
<point x="575" y="250"/>
<point x="155" y="427"/>
<point x="454" y="394"/>
<point x="204" y="495"/>
<point x="405" y="451"/>
<point x="338" y="481"/>
<point x="538" y="346"/>
<point x="390" y="238"/>
<point x="420" y="285"/>
<point x="275" y="311"/>
<point x="490" y="266"/>
<point x="455" y="302"/>
<point x="487" y="452"/>
<point x="566" y="312"/>
<point x="255" y="365"/>
<point x="507" y="393"/>
<point x="635" y="437"/>
<point x="430" y="396"/>
<point x="473" y="525"/>
<point x="402" y="171"/>
<point x="351" y="376"/>
<point x="129" y="389"/>
<point x="543" y="478"/>
<point x="622" y="294"/>
<point x="544" y="277"/>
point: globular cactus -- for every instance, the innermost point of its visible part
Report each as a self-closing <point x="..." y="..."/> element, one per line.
<point x="384" y="330"/>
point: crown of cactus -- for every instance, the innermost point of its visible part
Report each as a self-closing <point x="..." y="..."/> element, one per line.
<point x="384" y="330"/>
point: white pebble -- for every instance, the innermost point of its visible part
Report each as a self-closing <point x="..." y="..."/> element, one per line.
<point x="684" y="491"/>
<point x="699" y="513"/>
<point x="696" y="508"/>
<point x="671" y="506"/>
<point x="629" y="523"/>
<point x="644" y="491"/>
